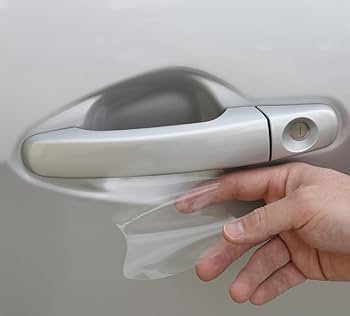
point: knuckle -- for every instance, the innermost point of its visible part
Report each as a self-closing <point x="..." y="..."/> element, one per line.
<point x="259" y="217"/>
<point x="295" y="175"/>
<point x="298" y="170"/>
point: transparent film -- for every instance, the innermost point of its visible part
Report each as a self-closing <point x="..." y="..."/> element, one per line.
<point x="172" y="231"/>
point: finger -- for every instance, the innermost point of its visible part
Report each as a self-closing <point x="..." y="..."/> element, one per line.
<point x="218" y="258"/>
<point x="265" y="222"/>
<point x="264" y="262"/>
<point x="279" y="282"/>
<point x="247" y="185"/>
<point x="197" y="197"/>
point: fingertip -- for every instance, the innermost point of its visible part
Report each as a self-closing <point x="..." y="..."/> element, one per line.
<point x="210" y="267"/>
<point x="183" y="206"/>
<point x="258" y="298"/>
<point x="233" y="232"/>
<point x="256" y="302"/>
<point x="197" y="198"/>
<point x="239" y="292"/>
<point x="203" y="273"/>
<point x="226" y="234"/>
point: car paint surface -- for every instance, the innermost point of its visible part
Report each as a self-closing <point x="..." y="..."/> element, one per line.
<point x="61" y="254"/>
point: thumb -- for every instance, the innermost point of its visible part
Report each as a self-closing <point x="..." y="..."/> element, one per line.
<point x="264" y="222"/>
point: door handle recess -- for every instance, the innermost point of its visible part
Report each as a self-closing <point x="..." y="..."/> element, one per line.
<point x="174" y="120"/>
<point x="238" y="137"/>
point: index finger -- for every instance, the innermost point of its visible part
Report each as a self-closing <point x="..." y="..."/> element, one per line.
<point x="268" y="183"/>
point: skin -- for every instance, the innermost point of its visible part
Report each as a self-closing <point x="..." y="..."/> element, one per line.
<point x="303" y="230"/>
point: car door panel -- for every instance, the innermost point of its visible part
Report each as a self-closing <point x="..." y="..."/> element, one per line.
<point x="61" y="253"/>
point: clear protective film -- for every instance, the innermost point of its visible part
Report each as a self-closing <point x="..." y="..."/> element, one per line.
<point x="164" y="236"/>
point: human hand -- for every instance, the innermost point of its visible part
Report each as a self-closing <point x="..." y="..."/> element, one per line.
<point x="305" y="228"/>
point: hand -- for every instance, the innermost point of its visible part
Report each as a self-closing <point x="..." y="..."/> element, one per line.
<point x="305" y="228"/>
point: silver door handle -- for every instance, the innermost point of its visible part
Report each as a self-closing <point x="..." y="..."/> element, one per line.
<point x="173" y="120"/>
<point x="238" y="137"/>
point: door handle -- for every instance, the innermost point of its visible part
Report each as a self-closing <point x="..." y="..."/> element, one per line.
<point x="174" y="120"/>
<point x="238" y="137"/>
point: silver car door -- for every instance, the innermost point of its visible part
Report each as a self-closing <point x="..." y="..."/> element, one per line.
<point x="61" y="253"/>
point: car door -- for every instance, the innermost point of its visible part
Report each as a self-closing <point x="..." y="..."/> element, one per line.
<point x="61" y="252"/>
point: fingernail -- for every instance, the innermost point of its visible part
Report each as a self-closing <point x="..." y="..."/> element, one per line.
<point x="200" y="202"/>
<point x="234" y="229"/>
<point x="182" y="206"/>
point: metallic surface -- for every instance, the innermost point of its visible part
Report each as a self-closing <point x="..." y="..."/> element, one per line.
<point x="321" y="119"/>
<point x="238" y="137"/>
